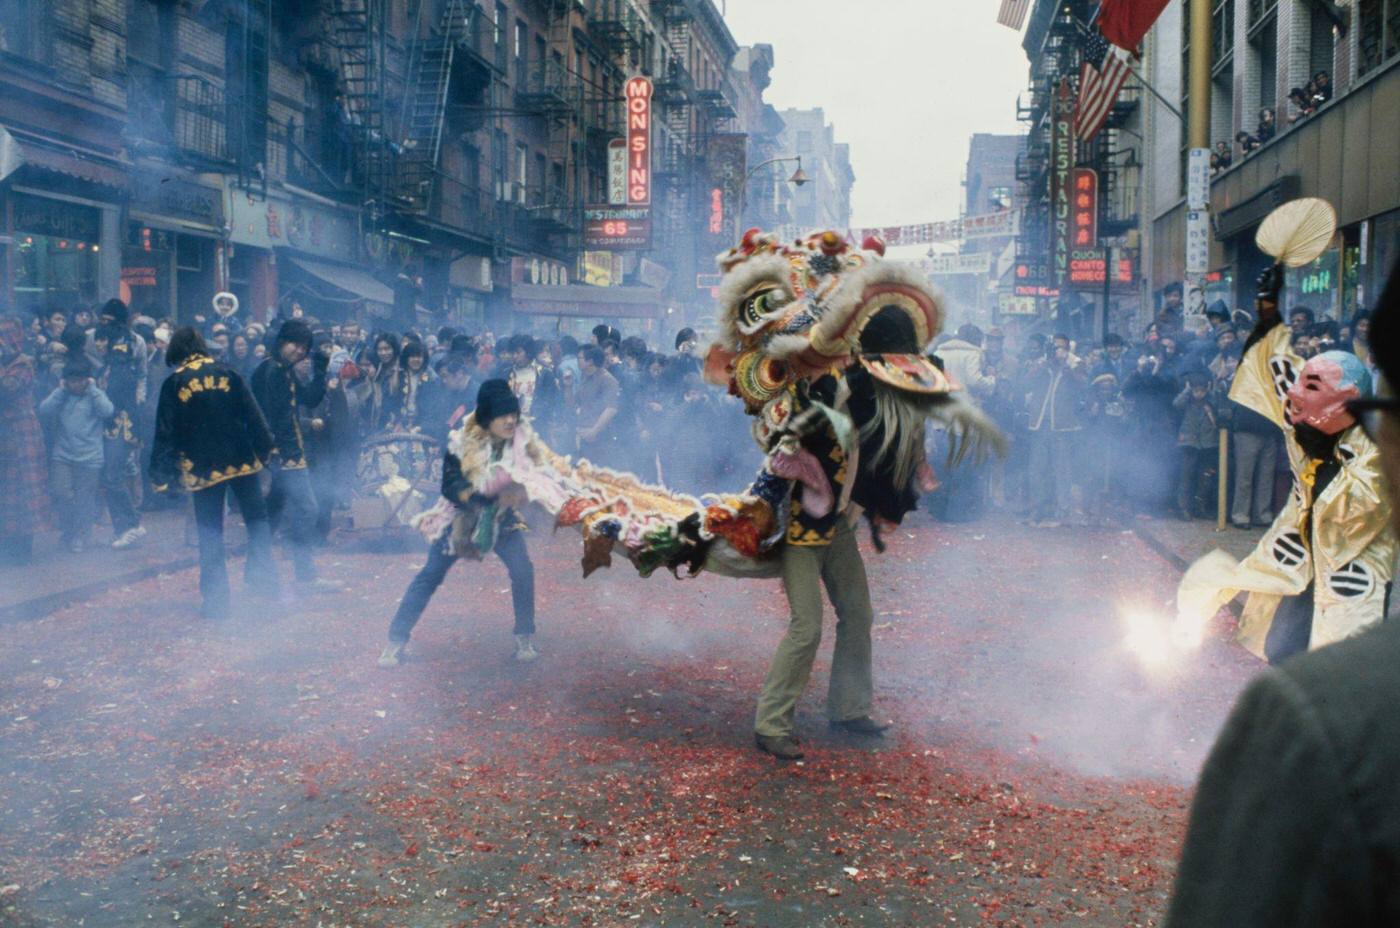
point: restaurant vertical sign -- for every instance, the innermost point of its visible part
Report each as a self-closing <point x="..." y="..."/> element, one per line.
<point x="1061" y="171"/>
<point x="638" y="96"/>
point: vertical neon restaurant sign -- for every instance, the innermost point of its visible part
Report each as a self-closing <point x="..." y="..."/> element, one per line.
<point x="637" y="93"/>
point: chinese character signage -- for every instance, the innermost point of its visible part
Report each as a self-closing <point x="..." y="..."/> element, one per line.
<point x="1198" y="178"/>
<point x="1197" y="242"/>
<point x="638" y="96"/>
<point x="978" y="263"/>
<point x="617" y="172"/>
<point x="1084" y="211"/>
<point x="991" y="225"/>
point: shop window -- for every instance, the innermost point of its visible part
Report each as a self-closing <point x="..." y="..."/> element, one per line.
<point x="56" y="247"/>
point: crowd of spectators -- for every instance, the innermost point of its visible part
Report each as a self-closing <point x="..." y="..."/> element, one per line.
<point x="1303" y="102"/>
<point x="1103" y="433"/>
<point x="618" y="401"/>
<point x="1098" y="432"/>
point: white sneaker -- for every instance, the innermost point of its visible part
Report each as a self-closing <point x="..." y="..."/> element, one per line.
<point x="525" y="648"/>
<point x="129" y="537"/>
<point x="393" y="655"/>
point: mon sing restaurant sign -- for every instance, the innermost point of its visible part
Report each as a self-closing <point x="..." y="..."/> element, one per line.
<point x="638" y="96"/>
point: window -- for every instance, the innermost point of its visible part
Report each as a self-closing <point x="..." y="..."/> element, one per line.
<point x="500" y="167"/>
<point x="1378" y="32"/>
<point x="522" y="167"/>
<point x="1320" y="45"/>
<point x="521" y="53"/>
<point x="150" y="92"/>
<point x="1222" y="31"/>
<point x="539" y="186"/>
<point x="22" y="29"/>
<point x="499" y="36"/>
<point x="1263" y="41"/>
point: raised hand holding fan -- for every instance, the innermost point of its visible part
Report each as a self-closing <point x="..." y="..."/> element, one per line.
<point x="1297" y="232"/>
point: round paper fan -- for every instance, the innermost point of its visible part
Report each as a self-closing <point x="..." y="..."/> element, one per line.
<point x="1298" y="231"/>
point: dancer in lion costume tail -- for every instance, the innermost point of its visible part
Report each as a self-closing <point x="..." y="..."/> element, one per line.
<point x="824" y="343"/>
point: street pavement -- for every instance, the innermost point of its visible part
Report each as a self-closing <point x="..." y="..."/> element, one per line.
<point x="266" y="772"/>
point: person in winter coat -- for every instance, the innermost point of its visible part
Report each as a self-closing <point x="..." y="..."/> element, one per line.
<point x="1054" y="392"/>
<point x="962" y="495"/>
<point x="1197" y="442"/>
<point x="76" y="414"/>
<point x="480" y="515"/>
<point x="23" y="496"/>
<point x="281" y="396"/>
<point x="211" y="439"/>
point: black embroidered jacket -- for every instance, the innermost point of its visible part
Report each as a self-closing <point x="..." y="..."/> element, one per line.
<point x="278" y="393"/>
<point x="208" y="428"/>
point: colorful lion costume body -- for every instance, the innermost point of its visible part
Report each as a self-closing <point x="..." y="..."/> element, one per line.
<point x="823" y="342"/>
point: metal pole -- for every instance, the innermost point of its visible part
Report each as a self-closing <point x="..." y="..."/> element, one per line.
<point x="1222" y="499"/>
<point x="1198" y="117"/>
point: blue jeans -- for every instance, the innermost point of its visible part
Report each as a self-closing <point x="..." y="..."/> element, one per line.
<point x="510" y="548"/>
<point x="116" y="467"/>
<point x="292" y="497"/>
<point x="260" y="572"/>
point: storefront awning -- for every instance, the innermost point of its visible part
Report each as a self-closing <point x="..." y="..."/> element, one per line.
<point x="591" y="302"/>
<point x="16" y="153"/>
<point x="351" y="280"/>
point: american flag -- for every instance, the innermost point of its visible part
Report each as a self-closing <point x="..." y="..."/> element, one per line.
<point x="1101" y="76"/>
<point x="1013" y="13"/>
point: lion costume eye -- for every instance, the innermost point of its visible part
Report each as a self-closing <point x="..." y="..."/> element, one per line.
<point x="757" y="307"/>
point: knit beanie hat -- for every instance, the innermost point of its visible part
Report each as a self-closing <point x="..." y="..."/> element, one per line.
<point x="297" y="332"/>
<point x="114" y="308"/>
<point x="494" y="400"/>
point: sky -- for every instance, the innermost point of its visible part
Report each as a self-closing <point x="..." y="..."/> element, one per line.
<point x="906" y="83"/>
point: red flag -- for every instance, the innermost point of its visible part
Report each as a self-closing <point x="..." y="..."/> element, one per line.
<point x="1125" y="22"/>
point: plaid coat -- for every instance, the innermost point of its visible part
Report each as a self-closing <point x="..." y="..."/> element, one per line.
<point x="23" y="489"/>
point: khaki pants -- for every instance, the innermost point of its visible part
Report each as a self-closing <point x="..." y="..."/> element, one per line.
<point x="839" y="568"/>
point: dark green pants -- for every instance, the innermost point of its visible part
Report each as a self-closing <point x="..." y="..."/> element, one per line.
<point x="839" y="568"/>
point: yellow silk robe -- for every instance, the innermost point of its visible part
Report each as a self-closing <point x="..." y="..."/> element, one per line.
<point x="1348" y="556"/>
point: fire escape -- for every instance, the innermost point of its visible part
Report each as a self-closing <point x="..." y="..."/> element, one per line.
<point x="674" y="159"/>
<point x="246" y="95"/>
<point x="357" y="35"/>
<point x="426" y="92"/>
<point x="555" y="95"/>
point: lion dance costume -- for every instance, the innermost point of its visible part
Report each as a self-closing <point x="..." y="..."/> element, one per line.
<point x="823" y="342"/>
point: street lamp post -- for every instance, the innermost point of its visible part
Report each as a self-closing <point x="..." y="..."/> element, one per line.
<point x="797" y="179"/>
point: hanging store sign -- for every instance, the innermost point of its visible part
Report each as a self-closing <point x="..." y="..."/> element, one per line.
<point x="637" y="93"/>
<point x="318" y="230"/>
<point x="1198" y="178"/>
<point x="1011" y="305"/>
<point x="1061" y="170"/>
<point x="1086" y="267"/>
<point x="1197" y="242"/>
<point x="1085" y="209"/>
<point x="539" y="272"/>
<point x="601" y="268"/>
<point x="979" y="263"/>
<point x="617" y="227"/>
<point x="617" y="172"/>
<point x="992" y="225"/>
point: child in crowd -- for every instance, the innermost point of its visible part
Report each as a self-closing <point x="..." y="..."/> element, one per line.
<point x="75" y="415"/>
